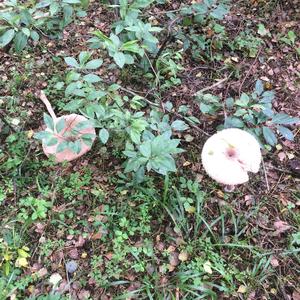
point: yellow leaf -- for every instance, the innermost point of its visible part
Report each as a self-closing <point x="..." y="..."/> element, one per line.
<point x="183" y="256"/>
<point x="207" y="267"/>
<point x="191" y="209"/>
<point x="21" y="262"/>
<point x="186" y="163"/>
<point x="22" y="253"/>
<point x="30" y="133"/>
<point x="242" y="289"/>
<point x="7" y="256"/>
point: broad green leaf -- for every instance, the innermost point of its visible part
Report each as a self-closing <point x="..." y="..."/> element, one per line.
<point x="54" y="8"/>
<point x="286" y="133"/>
<point x="262" y="31"/>
<point x="292" y="37"/>
<point x="26" y="31"/>
<point x="269" y="136"/>
<point x="259" y="87"/>
<point x="233" y="122"/>
<point x="34" y="35"/>
<point x="84" y="57"/>
<point x="243" y="101"/>
<point x="219" y="12"/>
<point x="103" y="135"/>
<point x="73" y="105"/>
<point x="6" y="37"/>
<point x="94" y="64"/>
<point x="71" y="1"/>
<point x="20" y="41"/>
<point x="102" y="36"/>
<point x="179" y="125"/>
<point x="205" y="108"/>
<point x="72" y="62"/>
<point x="267" y="97"/>
<point x="91" y="78"/>
<point x="145" y="149"/>
<point x="284" y="119"/>
<point x="135" y="136"/>
<point x="120" y="59"/>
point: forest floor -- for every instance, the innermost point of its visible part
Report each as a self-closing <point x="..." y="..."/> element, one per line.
<point x="128" y="242"/>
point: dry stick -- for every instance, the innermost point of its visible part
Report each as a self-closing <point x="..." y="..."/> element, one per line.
<point x="250" y="69"/>
<point x="265" y="173"/>
<point x="214" y="85"/>
<point x="166" y="40"/>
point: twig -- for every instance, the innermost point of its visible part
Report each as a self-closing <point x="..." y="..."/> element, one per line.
<point x="250" y="69"/>
<point x="153" y="69"/>
<point x="214" y="85"/>
<point x="166" y="40"/>
<point x="265" y="174"/>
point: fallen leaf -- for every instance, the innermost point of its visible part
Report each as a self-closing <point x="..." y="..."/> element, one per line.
<point x="242" y="289"/>
<point x="296" y="295"/>
<point x="183" y="256"/>
<point x="281" y="227"/>
<point x="55" y="279"/>
<point x="274" y="262"/>
<point x="207" y="267"/>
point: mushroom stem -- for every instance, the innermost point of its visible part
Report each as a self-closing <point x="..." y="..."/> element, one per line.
<point x="48" y="106"/>
<point x="229" y="188"/>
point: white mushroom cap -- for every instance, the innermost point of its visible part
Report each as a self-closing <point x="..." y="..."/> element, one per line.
<point x="230" y="154"/>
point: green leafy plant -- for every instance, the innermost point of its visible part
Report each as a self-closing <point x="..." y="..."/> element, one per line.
<point x="154" y="153"/>
<point x="253" y="112"/>
<point x="33" y="208"/>
<point x="247" y="43"/>
<point x="20" y="23"/>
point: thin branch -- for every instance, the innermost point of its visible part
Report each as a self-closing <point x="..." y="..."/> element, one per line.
<point x="214" y="85"/>
<point x="265" y="174"/>
<point x="249" y="71"/>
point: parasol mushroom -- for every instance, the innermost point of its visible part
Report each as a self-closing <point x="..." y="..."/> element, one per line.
<point x="69" y="133"/>
<point x="229" y="155"/>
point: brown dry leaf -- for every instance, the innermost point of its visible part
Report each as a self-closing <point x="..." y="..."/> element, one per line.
<point x="42" y="272"/>
<point x="295" y="166"/>
<point x="281" y="156"/>
<point x="274" y="262"/>
<point x="242" y="289"/>
<point x="281" y="227"/>
<point x="296" y="295"/>
<point x="97" y="236"/>
<point x="83" y="294"/>
<point x="171" y="249"/>
<point x="174" y="259"/>
<point x="73" y="253"/>
<point x="39" y="227"/>
<point x="183" y="256"/>
<point x="80" y="242"/>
